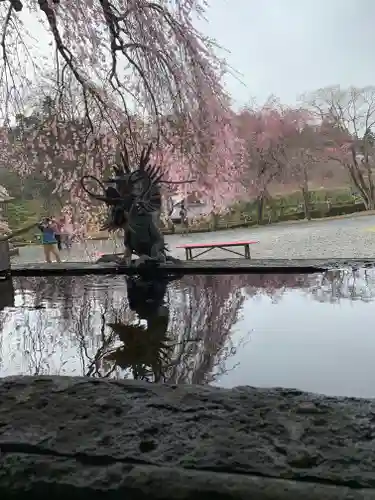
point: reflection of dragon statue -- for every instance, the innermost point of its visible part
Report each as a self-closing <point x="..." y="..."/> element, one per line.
<point x="134" y="201"/>
<point x="146" y="350"/>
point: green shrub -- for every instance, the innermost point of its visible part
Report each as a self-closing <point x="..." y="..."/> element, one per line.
<point x="345" y="209"/>
<point x="19" y="213"/>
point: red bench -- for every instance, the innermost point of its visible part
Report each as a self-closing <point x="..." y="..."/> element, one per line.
<point x="223" y="246"/>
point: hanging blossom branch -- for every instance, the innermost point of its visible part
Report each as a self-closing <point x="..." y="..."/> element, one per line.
<point x="8" y="80"/>
<point x="135" y="67"/>
<point x="144" y="54"/>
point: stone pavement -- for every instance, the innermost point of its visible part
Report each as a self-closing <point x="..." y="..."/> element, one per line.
<point x="73" y="437"/>
<point x="336" y="238"/>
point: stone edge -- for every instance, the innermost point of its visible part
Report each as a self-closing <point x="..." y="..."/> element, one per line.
<point x="35" y="476"/>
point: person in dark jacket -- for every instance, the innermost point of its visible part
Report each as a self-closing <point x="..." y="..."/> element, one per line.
<point x="57" y="226"/>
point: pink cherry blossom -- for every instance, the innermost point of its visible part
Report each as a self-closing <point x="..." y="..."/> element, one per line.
<point x="114" y="71"/>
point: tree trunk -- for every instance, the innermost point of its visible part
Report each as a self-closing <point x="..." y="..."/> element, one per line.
<point x="306" y="194"/>
<point x="260" y="204"/>
<point x="306" y="203"/>
<point x="215" y="220"/>
<point x="365" y="187"/>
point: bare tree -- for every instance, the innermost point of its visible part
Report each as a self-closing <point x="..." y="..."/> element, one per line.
<point x="347" y="118"/>
<point x="302" y="154"/>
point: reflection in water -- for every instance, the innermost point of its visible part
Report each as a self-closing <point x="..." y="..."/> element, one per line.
<point x="190" y="330"/>
<point x="348" y="284"/>
<point x="144" y="349"/>
<point x="174" y="330"/>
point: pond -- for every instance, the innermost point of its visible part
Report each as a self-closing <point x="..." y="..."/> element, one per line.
<point x="310" y="332"/>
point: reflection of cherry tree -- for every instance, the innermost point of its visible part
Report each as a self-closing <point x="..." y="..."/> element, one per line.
<point x="69" y="321"/>
<point x="85" y="326"/>
<point x="275" y="286"/>
<point x="57" y="326"/>
<point x="194" y="342"/>
<point x="209" y="307"/>
<point x="6" y="302"/>
<point x="41" y="349"/>
<point x="40" y="292"/>
<point x="204" y="312"/>
<point x="333" y="286"/>
<point x="31" y="344"/>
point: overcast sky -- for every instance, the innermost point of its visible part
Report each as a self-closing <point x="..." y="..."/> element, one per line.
<point x="287" y="47"/>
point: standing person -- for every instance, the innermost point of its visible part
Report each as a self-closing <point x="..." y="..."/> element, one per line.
<point x="183" y="217"/>
<point x="69" y="233"/>
<point x="57" y="227"/>
<point x="214" y="217"/>
<point x="66" y="233"/>
<point x="49" y="241"/>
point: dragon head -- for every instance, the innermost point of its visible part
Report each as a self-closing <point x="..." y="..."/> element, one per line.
<point x="129" y="191"/>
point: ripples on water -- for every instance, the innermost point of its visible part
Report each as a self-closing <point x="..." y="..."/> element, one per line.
<point x="311" y="332"/>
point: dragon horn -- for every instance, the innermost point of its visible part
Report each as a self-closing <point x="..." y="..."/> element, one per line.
<point x="111" y="196"/>
<point x="155" y="173"/>
<point x="142" y="161"/>
<point x="152" y="170"/>
<point x="157" y="177"/>
<point x="149" y="149"/>
<point x="117" y="170"/>
<point x="145" y="157"/>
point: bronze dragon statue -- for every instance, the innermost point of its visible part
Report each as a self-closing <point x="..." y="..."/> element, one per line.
<point x="134" y="204"/>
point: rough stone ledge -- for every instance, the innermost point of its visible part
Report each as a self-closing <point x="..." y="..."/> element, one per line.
<point x="40" y="477"/>
<point x="74" y="436"/>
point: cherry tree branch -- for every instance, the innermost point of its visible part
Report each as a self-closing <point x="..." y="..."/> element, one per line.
<point x="6" y="64"/>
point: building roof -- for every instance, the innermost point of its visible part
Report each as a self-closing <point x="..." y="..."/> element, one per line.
<point x="4" y="195"/>
<point x="190" y="199"/>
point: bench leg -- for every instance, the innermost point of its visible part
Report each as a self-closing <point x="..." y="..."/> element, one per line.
<point x="247" y="252"/>
<point x="189" y="255"/>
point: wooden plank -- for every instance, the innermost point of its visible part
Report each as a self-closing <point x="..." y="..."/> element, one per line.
<point x="218" y="245"/>
<point x="229" y="266"/>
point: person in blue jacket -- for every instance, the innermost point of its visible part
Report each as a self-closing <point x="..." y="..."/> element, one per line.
<point x="49" y="240"/>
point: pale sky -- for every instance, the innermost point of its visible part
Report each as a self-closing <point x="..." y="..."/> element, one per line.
<point x="287" y="47"/>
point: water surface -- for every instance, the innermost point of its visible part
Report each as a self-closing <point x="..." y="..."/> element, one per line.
<point x="311" y="332"/>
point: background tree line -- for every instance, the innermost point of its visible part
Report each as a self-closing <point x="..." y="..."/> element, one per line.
<point x="326" y="141"/>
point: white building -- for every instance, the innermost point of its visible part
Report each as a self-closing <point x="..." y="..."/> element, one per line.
<point x="5" y="198"/>
<point x="194" y="206"/>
